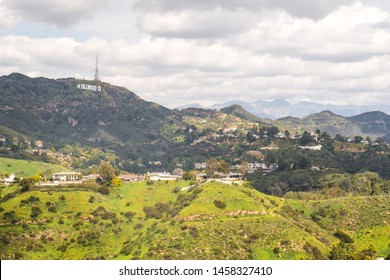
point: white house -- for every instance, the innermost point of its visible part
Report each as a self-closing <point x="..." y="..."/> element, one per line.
<point x="162" y="176"/>
<point x="312" y="148"/>
<point x="67" y="177"/>
<point x="9" y="180"/>
<point x="201" y="165"/>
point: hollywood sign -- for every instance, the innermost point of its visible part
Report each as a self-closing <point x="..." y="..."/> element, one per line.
<point x="89" y="87"/>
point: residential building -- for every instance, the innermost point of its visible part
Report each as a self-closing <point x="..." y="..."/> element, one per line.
<point x="130" y="177"/>
<point x="67" y="177"/>
<point x="162" y="176"/>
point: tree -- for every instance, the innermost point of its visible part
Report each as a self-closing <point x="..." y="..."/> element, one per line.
<point x="107" y="172"/>
<point x="243" y="168"/>
<point x="272" y="131"/>
<point x="380" y="140"/>
<point x="306" y="139"/>
<point x="340" y="138"/>
<point x="358" y="139"/>
<point x="223" y="167"/>
<point x="212" y="165"/>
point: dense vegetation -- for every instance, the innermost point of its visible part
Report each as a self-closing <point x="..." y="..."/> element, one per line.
<point x="211" y="221"/>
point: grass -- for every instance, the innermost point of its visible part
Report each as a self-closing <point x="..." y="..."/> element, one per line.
<point x="251" y="226"/>
<point x="24" y="168"/>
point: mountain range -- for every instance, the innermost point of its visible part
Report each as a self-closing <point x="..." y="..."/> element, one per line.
<point x="280" y="108"/>
<point x="97" y="114"/>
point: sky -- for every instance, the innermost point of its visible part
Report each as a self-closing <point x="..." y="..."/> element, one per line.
<point x="207" y="51"/>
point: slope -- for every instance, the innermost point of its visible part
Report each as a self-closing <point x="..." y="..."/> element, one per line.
<point x="59" y="112"/>
<point x="213" y="221"/>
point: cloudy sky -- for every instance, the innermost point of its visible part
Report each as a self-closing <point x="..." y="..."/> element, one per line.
<point x="207" y="51"/>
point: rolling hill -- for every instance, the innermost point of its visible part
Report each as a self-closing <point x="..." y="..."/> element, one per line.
<point x="212" y="221"/>
<point x="373" y="124"/>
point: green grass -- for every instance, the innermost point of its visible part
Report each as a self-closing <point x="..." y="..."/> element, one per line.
<point x="251" y="226"/>
<point x="24" y="168"/>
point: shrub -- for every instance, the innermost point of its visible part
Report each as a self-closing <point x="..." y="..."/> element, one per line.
<point x="9" y="215"/>
<point x="104" y="190"/>
<point x="35" y="211"/>
<point x="219" y="204"/>
<point x="33" y="199"/>
<point x="138" y="226"/>
<point x="52" y="208"/>
<point x="129" y="215"/>
<point x="343" y="237"/>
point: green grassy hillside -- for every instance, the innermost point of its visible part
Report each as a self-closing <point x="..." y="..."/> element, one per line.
<point x="212" y="221"/>
<point x="25" y="168"/>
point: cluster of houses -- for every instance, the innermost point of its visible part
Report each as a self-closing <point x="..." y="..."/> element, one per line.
<point x="70" y="177"/>
<point x="76" y="177"/>
<point x="253" y="166"/>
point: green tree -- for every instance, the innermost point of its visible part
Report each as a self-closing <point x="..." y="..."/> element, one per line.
<point x="306" y="139"/>
<point x="107" y="172"/>
<point x="358" y="139"/>
<point x="243" y="169"/>
<point x="212" y="165"/>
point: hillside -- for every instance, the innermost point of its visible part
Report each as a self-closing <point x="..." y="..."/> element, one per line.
<point x="240" y="112"/>
<point x="373" y="124"/>
<point x="24" y="168"/>
<point x="59" y="112"/>
<point x="213" y="221"/>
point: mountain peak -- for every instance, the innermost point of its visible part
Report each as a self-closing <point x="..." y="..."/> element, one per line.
<point x="239" y="111"/>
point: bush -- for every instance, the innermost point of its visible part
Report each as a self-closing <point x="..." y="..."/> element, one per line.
<point x="219" y="204"/>
<point x="35" y="211"/>
<point x="138" y="226"/>
<point x="33" y="199"/>
<point x="9" y="215"/>
<point x="129" y="215"/>
<point x="343" y="237"/>
<point x="104" y="190"/>
<point x="52" y="208"/>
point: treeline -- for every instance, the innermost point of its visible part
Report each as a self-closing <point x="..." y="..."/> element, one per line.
<point x="309" y="184"/>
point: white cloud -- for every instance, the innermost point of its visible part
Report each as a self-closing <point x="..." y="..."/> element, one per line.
<point x="196" y="24"/>
<point x="214" y="51"/>
<point x="60" y="12"/>
<point x="299" y="8"/>
<point x="7" y="17"/>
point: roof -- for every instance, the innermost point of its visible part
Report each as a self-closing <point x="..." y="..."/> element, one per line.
<point x="67" y="173"/>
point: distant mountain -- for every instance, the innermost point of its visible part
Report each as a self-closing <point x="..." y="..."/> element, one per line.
<point x="190" y="105"/>
<point x="374" y="124"/>
<point x="240" y="112"/>
<point x="280" y="108"/>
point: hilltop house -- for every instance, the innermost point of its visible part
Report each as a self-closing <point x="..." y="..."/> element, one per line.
<point x="91" y="177"/>
<point x="162" y="176"/>
<point x="130" y="177"/>
<point x="9" y="180"/>
<point x="312" y="148"/>
<point x="67" y="177"/>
